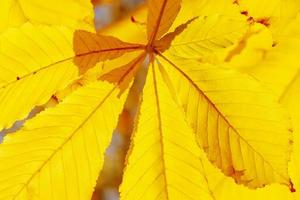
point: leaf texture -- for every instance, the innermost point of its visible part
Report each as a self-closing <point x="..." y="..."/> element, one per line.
<point x="208" y="34"/>
<point x="163" y="161"/>
<point x="128" y="72"/>
<point x="59" y="153"/>
<point x="92" y="48"/>
<point x="35" y="62"/>
<point x="70" y="13"/>
<point x="235" y="120"/>
<point x="161" y="14"/>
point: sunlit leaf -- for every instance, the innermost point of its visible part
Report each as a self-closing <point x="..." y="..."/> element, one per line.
<point x="163" y="160"/>
<point x="35" y="62"/>
<point x="199" y="82"/>
<point x="235" y="120"/>
<point x="208" y="34"/>
<point x="59" y="153"/>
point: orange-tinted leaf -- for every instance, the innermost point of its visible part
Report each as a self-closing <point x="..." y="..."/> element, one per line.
<point x="124" y="75"/>
<point x="165" y="42"/>
<point x="91" y="48"/>
<point x="161" y="14"/>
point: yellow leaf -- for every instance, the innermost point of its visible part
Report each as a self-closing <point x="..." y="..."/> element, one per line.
<point x="102" y="69"/>
<point x="161" y="14"/>
<point x="163" y="158"/>
<point x="59" y="153"/>
<point x="71" y="13"/>
<point x="279" y="69"/>
<point x="260" y="167"/>
<point x="208" y="34"/>
<point x="35" y="62"/>
<point x="235" y="120"/>
<point x="185" y="104"/>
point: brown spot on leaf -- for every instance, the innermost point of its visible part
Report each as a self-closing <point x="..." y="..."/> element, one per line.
<point x="55" y="98"/>
<point x="245" y="12"/>
<point x="134" y="20"/>
<point x="250" y="20"/>
<point x="236" y="2"/>
<point x="264" y="21"/>
<point x="238" y="174"/>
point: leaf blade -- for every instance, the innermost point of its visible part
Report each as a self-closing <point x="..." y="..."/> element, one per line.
<point x="32" y="68"/>
<point x="156" y="167"/>
<point x="57" y="136"/>
<point x="207" y="34"/>
<point x="241" y="114"/>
